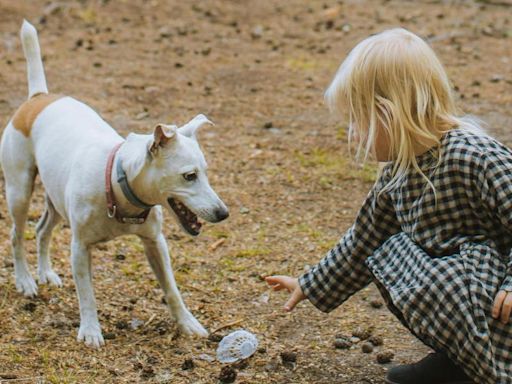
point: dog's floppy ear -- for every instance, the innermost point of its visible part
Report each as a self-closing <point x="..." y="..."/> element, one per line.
<point x="162" y="136"/>
<point x="191" y="127"/>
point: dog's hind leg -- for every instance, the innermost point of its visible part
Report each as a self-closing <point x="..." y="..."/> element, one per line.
<point x="157" y="254"/>
<point x="44" y="229"/>
<point x="19" y="172"/>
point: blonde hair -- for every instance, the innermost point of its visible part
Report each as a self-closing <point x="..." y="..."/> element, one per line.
<point x="394" y="81"/>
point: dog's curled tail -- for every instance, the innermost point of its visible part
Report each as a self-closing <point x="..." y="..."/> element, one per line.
<point x="35" y="70"/>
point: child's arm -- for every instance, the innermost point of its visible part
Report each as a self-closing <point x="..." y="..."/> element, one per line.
<point x="343" y="271"/>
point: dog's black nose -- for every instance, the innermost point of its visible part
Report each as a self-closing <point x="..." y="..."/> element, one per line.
<point x="221" y="214"/>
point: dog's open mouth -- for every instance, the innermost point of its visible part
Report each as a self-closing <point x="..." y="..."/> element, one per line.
<point x="187" y="218"/>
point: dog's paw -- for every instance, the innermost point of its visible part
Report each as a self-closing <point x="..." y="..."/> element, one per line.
<point x="26" y="285"/>
<point x="91" y="336"/>
<point x="50" y="277"/>
<point x="189" y="325"/>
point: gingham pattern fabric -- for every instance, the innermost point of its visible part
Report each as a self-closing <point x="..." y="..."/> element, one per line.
<point x="439" y="265"/>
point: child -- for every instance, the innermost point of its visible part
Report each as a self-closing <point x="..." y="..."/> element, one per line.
<point x="435" y="232"/>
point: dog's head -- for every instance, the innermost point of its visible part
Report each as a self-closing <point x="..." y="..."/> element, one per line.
<point x="172" y="172"/>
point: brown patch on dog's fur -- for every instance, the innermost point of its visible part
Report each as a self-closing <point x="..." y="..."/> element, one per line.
<point x="30" y="109"/>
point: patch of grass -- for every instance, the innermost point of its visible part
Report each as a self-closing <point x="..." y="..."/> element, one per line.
<point x="29" y="234"/>
<point x="218" y="233"/>
<point x="252" y="252"/>
<point x="307" y="230"/>
<point x="14" y="356"/>
<point x="302" y="64"/>
<point x="131" y="269"/>
<point x="331" y="163"/>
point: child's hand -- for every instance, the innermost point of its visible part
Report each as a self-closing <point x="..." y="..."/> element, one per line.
<point x="278" y="283"/>
<point x="502" y="307"/>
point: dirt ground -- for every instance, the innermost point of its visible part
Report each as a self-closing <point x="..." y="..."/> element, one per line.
<point x="258" y="69"/>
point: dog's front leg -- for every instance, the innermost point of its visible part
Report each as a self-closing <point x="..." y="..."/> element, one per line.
<point x="158" y="257"/>
<point x="90" y="331"/>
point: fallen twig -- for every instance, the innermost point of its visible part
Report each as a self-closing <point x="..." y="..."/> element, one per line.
<point x="227" y="325"/>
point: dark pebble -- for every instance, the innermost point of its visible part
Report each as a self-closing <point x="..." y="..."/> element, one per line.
<point x="385" y="357"/>
<point x="188" y="364"/>
<point x="242" y="364"/>
<point x="376" y="304"/>
<point x="268" y="125"/>
<point x="121" y="324"/>
<point x="148" y="372"/>
<point x="376" y="340"/>
<point x="120" y="257"/>
<point x="109" y="336"/>
<point x="31" y="307"/>
<point x="289" y="357"/>
<point x="178" y="65"/>
<point x="227" y="375"/>
<point x="262" y="350"/>
<point x="367" y="347"/>
<point x="215" y="337"/>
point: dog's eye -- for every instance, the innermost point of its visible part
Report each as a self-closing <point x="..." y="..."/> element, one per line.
<point x="191" y="176"/>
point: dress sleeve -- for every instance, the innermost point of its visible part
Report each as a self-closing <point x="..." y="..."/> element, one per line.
<point x="494" y="186"/>
<point x="343" y="272"/>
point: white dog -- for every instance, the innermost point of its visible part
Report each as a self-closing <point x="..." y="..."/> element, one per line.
<point x="103" y="185"/>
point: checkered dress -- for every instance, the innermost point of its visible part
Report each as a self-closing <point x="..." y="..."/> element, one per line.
<point x="438" y="266"/>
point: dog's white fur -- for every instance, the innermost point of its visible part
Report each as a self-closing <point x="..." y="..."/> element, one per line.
<point x="68" y="146"/>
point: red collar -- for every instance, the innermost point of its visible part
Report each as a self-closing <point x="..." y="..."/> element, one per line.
<point x="111" y="199"/>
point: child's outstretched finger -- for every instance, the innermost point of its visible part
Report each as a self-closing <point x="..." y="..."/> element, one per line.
<point x="296" y="297"/>
<point x="278" y="283"/>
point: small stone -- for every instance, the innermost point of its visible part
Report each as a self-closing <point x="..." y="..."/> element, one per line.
<point x="244" y="210"/>
<point x="367" y="347"/>
<point x="188" y="364"/>
<point x="120" y="257"/>
<point x="262" y="350"/>
<point x="496" y="78"/>
<point x="227" y="375"/>
<point x="385" y="357"/>
<point x="288" y="357"/>
<point x="97" y="64"/>
<point x="142" y="115"/>
<point x="165" y="32"/>
<point x="257" y="32"/>
<point x="136" y="323"/>
<point x="376" y="340"/>
<point x="376" y="304"/>
<point x="268" y="125"/>
<point x="178" y="65"/>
